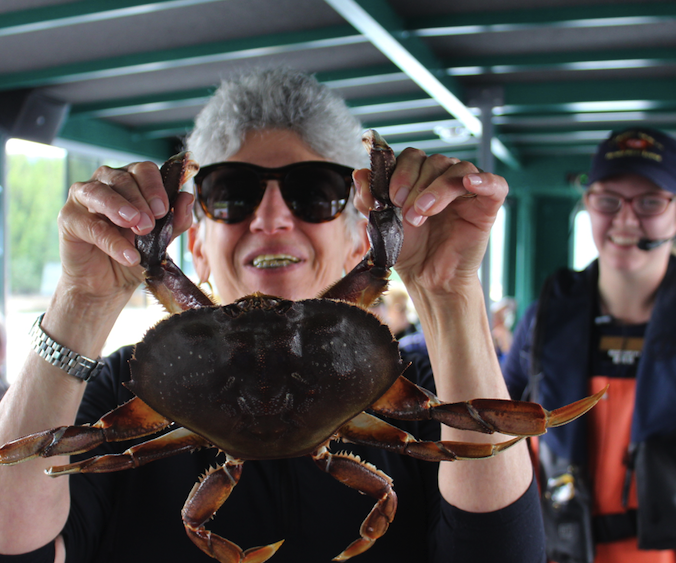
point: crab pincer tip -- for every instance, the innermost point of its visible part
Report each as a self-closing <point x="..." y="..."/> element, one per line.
<point x="373" y="140"/>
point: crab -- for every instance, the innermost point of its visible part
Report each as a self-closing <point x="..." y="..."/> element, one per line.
<point x="268" y="378"/>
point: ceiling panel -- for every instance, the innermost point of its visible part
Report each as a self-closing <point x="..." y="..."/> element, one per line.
<point x="561" y="73"/>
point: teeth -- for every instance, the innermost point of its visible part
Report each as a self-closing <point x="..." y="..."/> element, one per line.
<point x="274" y="261"/>
<point x="626" y="241"/>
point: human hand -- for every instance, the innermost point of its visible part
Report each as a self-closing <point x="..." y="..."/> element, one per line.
<point x="448" y="208"/>
<point x="98" y="223"/>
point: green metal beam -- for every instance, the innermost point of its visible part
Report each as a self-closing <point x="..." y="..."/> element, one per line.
<point x="526" y="97"/>
<point x="176" y="129"/>
<point x="500" y="21"/>
<point x="85" y="11"/>
<point x="356" y="77"/>
<point x="400" y="102"/>
<point x="575" y="61"/>
<point x="142" y="104"/>
<point x="112" y="136"/>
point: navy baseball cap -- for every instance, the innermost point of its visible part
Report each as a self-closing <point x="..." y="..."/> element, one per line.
<point x="646" y="152"/>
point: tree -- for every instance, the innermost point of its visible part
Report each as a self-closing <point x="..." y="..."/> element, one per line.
<point x="35" y="194"/>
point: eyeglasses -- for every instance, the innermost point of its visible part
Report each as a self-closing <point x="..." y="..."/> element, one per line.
<point x="645" y="205"/>
<point x="314" y="191"/>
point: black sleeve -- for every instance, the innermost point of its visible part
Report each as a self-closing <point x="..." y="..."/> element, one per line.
<point x="514" y="534"/>
<point x="45" y="554"/>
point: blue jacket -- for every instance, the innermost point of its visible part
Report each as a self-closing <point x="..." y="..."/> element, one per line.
<point x="560" y="356"/>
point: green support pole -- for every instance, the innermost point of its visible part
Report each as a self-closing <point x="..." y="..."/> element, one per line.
<point x="525" y="244"/>
<point x="3" y="249"/>
<point x="3" y="224"/>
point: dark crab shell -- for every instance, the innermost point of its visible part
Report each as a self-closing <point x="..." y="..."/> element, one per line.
<point x="268" y="381"/>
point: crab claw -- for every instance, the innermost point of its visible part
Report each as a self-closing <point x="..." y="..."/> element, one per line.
<point x="175" y="172"/>
<point x="383" y="162"/>
<point x="163" y="278"/>
<point x="385" y="230"/>
<point x="405" y="400"/>
<point x="368" y="280"/>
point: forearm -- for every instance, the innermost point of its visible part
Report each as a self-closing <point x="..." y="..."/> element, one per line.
<point x="465" y="367"/>
<point x="34" y="506"/>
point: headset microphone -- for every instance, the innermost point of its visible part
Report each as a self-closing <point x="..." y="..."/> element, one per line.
<point x="649" y="244"/>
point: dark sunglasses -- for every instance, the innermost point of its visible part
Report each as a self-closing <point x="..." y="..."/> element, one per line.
<point x="314" y="191"/>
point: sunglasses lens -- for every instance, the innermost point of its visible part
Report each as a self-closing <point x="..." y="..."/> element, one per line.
<point x="230" y="195"/>
<point x="316" y="194"/>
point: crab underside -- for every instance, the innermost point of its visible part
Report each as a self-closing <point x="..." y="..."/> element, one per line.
<point x="268" y="378"/>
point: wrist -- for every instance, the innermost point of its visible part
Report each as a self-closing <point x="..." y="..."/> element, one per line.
<point x="440" y="306"/>
<point x="81" y="322"/>
<point x="67" y="360"/>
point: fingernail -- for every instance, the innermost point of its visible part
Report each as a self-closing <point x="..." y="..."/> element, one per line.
<point x="157" y="207"/>
<point x="128" y="213"/>
<point x="425" y="201"/>
<point x="144" y="223"/>
<point x="130" y="256"/>
<point x="400" y="197"/>
<point x="414" y="218"/>
<point x="474" y="179"/>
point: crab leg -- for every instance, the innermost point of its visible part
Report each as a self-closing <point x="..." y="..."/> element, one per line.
<point x="163" y="278"/>
<point x="175" y="442"/>
<point x="368" y="280"/>
<point x="133" y="419"/>
<point x="367" y="430"/>
<point x="406" y="401"/>
<point x="367" y="479"/>
<point x="204" y="500"/>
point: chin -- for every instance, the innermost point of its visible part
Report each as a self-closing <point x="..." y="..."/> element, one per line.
<point x="628" y="261"/>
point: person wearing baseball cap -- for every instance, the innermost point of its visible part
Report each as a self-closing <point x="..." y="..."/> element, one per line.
<point x="609" y="479"/>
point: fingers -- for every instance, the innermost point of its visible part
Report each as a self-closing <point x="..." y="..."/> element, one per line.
<point x="131" y="197"/>
<point x="79" y="228"/>
<point x="423" y="186"/>
<point x="116" y="204"/>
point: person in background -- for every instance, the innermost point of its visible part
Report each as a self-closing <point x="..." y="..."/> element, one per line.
<point x="502" y="319"/>
<point x="483" y="510"/>
<point x="609" y="480"/>
<point x="398" y="311"/>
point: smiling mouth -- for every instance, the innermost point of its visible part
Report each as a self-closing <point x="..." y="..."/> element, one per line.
<point x="266" y="261"/>
<point x="624" y="240"/>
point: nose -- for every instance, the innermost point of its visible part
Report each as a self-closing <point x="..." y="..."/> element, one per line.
<point x="626" y="214"/>
<point x="272" y="215"/>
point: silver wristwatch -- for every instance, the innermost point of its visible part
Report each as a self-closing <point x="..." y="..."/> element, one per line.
<point x="72" y="363"/>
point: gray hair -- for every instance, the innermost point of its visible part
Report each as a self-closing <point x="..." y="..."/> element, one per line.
<point x="279" y="99"/>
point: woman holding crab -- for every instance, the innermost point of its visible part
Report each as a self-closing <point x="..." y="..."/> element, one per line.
<point x="483" y="510"/>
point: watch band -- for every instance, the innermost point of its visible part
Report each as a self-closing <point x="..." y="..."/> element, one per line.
<point x="71" y="362"/>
